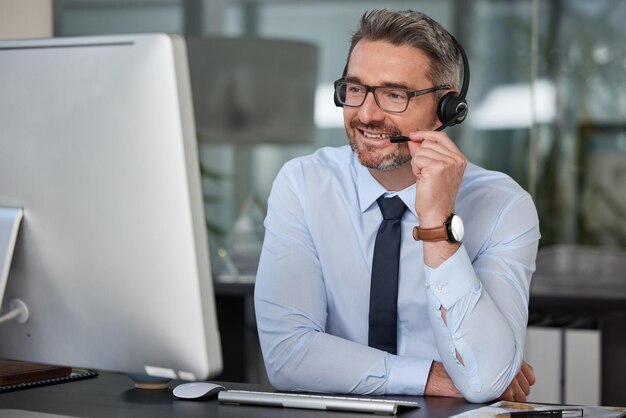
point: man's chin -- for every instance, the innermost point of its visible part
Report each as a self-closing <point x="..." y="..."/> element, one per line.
<point x="374" y="160"/>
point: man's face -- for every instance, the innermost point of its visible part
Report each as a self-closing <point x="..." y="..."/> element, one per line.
<point x="379" y="63"/>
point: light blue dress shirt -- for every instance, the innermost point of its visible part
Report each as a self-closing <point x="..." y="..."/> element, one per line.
<point x="313" y="284"/>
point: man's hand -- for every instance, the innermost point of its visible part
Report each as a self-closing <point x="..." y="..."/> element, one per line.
<point x="519" y="388"/>
<point x="438" y="165"/>
<point x="439" y="383"/>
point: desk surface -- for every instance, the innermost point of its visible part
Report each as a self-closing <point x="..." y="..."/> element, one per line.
<point x="113" y="395"/>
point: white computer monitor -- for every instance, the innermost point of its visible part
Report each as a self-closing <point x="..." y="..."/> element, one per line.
<point x="98" y="150"/>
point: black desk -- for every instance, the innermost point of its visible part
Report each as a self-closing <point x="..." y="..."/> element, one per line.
<point x="241" y="352"/>
<point x="113" y="395"/>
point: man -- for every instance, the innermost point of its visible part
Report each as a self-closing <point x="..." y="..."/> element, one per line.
<point x="461" y="307"/>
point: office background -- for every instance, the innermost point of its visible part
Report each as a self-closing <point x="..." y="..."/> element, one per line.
<point x="546" y="102"/>
<point x="547" y="106"/>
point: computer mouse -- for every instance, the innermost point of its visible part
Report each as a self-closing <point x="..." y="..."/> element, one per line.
<point x="197" y="390"/>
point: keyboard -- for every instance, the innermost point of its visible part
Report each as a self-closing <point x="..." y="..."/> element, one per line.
<point x="314" y="401"/>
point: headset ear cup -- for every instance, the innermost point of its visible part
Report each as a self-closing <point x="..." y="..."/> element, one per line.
<point x="343" y="76"/>
<point x="449" y="106"/>
<point x="335" y="97"/>
<point x="337" y="103"/>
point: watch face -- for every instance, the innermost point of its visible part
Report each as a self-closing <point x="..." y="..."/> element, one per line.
<point x="457" y="229"/>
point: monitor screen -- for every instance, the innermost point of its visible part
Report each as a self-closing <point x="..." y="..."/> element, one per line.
<point x="98" y="149"/>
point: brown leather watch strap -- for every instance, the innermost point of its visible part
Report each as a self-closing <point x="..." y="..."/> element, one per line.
<point x="438" y="233"/>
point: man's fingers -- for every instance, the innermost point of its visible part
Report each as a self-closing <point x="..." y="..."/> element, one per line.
<point x="437" y="137"/>
<point x="518" y="393"/>
<point x="507" y="395"/>
<point x="523" y="383"/>
<point x="529" y="373"/>
<point x="519" y="388"/>
<point x="438" y="152"/>
<point x="426" y="154"/>
<point x="425" y="157"/>
<point x="428" y="144"/>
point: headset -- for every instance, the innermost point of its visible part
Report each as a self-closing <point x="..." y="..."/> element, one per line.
<point x="452" y="107"/>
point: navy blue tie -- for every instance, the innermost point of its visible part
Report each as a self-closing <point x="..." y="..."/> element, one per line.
<point x="384" y="284"/>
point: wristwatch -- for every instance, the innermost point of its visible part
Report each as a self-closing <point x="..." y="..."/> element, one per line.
<point x="451" y="230"/>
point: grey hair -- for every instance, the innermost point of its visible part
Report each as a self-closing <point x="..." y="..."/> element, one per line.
<point x="419" y="31"/>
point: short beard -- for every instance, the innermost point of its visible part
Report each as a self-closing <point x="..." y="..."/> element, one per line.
<point x="395" y="160"/>
<point x="368" y="156"/>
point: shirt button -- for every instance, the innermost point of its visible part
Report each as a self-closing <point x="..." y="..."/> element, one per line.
<point x="427" y="285"/>
<point x="440" y="288"/>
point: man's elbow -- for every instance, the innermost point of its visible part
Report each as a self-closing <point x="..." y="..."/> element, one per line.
<point x="479" y="397"/>
<point x="283" y="377"/>
<point x="487" y="391"/>
<point x="278" y="380"/>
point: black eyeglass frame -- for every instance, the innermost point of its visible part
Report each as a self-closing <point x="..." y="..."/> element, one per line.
<point x="410" y="94"/>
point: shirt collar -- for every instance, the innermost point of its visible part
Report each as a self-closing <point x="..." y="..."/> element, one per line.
<point x="369" y="189"/>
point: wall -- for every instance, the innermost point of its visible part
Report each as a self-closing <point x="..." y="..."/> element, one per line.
<point x="25" y="19"/>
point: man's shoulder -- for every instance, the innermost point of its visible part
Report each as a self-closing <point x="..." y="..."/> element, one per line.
<point x="326" y="158"/>
<point x="495" y="209"/>
<point x="318" y="177"/>
<point x="482" y="188"/>
<point x="476" y="178"/>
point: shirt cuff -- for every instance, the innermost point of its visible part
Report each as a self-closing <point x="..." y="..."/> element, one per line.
<point x="451" y="280"/>
<point x="407" y="375"/>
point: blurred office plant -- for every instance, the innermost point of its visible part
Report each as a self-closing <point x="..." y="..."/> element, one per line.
<point x="209" y="177"/>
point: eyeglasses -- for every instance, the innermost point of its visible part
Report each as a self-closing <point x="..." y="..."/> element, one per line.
<point x="389" y="99"/>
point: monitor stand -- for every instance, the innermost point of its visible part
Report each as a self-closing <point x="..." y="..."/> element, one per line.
<point x="16" y="372"/>
<point x="10" y="218"/>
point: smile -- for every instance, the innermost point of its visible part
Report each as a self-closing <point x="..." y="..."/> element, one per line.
<point x="375" y="136"/>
